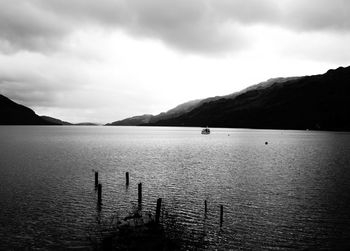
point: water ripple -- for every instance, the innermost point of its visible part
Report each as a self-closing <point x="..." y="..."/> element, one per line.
<point x="291" y="194"/>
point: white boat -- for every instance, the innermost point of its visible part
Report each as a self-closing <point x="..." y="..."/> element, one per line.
<point x="206" y="131"/>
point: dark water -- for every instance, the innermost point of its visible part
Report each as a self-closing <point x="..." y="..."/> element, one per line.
<point x="293" y="193"/>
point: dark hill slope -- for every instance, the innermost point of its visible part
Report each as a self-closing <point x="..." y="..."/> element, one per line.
<point x="148" y="118"/>
<point x="312" y="102"/>
<point x="133" y="121"/>
<point x="55" y="121"/>
<point x="12" y="113"/>
<point x="190" y="105"/>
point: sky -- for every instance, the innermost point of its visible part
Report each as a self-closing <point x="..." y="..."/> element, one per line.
<point x="106" y="60"/>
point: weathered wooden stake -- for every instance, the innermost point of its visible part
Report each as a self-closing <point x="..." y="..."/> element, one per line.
<point x="96" y="179"/>
<point x="140" y="193"/>
<point x="221" y="214"/>
<point x="159" y="205"/>
<point x="205" y="207"/>
<point x="127" y="178"/>
<point x="99" y="194"/>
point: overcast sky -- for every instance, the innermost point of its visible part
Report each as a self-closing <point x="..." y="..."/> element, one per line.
<point x="105" y="60"/>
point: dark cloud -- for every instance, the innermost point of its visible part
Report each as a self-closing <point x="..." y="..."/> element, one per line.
<point x="24" y="25"/>
<point x="246" y="12"/>
<point x="192" y="25"/>
<point x="188" y="25"/>
<point x="317" y="15"/>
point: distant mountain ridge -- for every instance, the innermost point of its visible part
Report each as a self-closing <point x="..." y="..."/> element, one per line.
<point x="86" y="124"/>
<point x="189" y="106"/>
<point x="309" y="102"/>
<point x="148" y="118"/>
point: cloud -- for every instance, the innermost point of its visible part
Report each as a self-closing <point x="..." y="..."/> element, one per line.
<point x="28" y="89"/>
<point x="198" y="25"/>
<point x="316" y="15"/>
<point x="24" y="25"/>
<point x="36" y="79"/>
<point x="185" y="25"/>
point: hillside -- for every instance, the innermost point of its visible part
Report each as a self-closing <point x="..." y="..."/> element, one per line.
<point x="55" y="121"/>
<point x="12" y="113"/>
<point x="133" y="121"/>
<point x="189" y="106"/>
<point x="311" y="102"/>
<point x="148" y="118"/>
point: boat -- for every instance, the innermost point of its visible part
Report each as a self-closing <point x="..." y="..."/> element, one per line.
<point x="206" y="131"/>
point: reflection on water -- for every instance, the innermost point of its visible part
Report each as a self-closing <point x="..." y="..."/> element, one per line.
<point x="293" y="193"/>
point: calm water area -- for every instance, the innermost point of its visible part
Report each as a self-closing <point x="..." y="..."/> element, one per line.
<point x="292" y="193"/>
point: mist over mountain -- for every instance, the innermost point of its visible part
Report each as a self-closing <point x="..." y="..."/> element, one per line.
<point x="311" y="102"/>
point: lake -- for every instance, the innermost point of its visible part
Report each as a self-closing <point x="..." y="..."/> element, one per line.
<point x="292" y="193"/>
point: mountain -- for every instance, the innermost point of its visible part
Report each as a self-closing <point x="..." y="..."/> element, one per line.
<point x="61" y="122"/>
<point x="310" y="102"/>
<point x="148" y="118"/>
<point x="133" y="121"/>
<point x="12" y="113"/>
<point x="86" y="124"/>
<point x="189" y="106"/>
<point x="55" y="121"/>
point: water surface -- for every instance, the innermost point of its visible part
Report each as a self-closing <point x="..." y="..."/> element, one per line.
<point x="292" y="193"/>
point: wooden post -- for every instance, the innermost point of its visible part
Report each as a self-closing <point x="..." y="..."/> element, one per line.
<point x="205" y="207"/>
<point x="96" y="179"/>
<point x="221" y="214"/>
<point x="159" y="205"/>
<point x="127" y="178"/>
<point x="99" y="194"/>
<point x="140" y="193"/>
